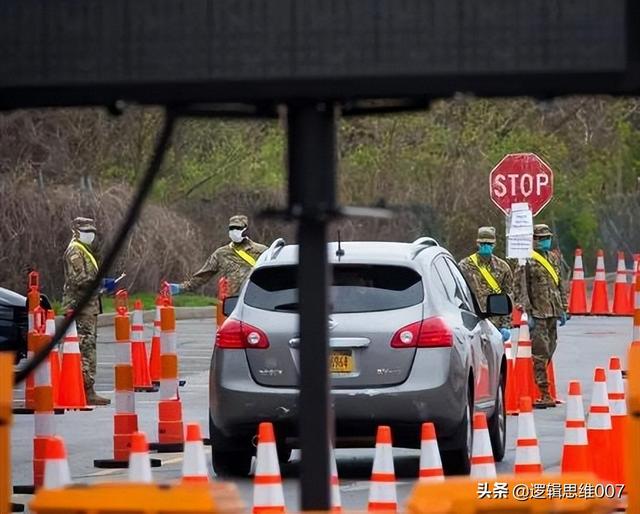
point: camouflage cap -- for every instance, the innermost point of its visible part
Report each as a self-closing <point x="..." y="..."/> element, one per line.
<point x="239" y="220"/>
<point x="542" y="230"/>
<point x="84" y="225"/>
<point x="486" y="235"/>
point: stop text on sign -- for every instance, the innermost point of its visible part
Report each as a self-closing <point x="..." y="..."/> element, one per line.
<point x="521" y="178"/>
<point x="516" y="185"/>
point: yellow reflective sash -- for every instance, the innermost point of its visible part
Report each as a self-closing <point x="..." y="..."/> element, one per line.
<point x="547" y="265"/>
<point x="244" y="256"/>
<point x="486" y="274"/>
<point x="83" y="249"/>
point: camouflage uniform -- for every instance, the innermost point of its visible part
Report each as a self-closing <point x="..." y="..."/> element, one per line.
<point x="227" y="262"/>
<point x="497" y="267"/>
<point x="79" y="271"/>
<point x="546" y="303"/>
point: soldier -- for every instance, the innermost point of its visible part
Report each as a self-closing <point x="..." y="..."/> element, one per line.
<point x="541" y="294"/>
<point x="80" y="269"/>
<point x="233" y="261"/>
<point x="488" y="274"/>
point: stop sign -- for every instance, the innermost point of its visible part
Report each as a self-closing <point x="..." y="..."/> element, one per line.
<point x="521" y="177"/>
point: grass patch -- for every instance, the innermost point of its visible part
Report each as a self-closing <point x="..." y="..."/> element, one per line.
<point x="148" y="300"/>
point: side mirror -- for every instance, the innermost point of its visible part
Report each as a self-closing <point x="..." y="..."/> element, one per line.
<point x="498" y="305"/>
<point x="228" y="304"/>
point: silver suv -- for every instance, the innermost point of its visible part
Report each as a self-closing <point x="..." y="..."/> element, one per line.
<point x="408" y="343"/>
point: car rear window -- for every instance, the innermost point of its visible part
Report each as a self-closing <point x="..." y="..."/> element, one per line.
<point x="355" y="288"/>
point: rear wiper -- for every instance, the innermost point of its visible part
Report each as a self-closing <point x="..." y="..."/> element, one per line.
<point x="286" y="307"/>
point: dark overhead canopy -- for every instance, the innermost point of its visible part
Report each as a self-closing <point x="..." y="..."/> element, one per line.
<point x="70" y="52"/>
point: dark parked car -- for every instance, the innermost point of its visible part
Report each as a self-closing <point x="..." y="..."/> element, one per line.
<point x="14" y="321"/>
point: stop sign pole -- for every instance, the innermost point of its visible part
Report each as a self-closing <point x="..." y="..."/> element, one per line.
<point x="521" y="178"/>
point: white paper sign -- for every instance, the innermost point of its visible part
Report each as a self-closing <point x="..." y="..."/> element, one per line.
<point x="519" y="232"/>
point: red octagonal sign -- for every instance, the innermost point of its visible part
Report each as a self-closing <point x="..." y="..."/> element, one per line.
<point x="521" y="177"/>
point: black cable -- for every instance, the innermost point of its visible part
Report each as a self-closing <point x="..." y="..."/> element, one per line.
<point x="134" y="210"/>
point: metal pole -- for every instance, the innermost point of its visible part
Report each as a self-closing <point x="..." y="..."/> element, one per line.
<point x="312" y="164"/>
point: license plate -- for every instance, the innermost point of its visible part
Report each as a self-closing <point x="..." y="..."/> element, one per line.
<point x="341" y="362"/>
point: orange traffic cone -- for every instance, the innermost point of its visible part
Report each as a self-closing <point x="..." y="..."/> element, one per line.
<point x="600" y="295"/>
<point x="516" y="317"/>
<point x="618" y="408"/>
<point x="551" y="377"/>
<point x="382" y="492"/>
<point x="56" y="467"/>
<point x="33" y="302"/>
<point x="194" y="464"/>
<point x="141" y="376"/>
<point x="578" y="288"/>
<point x="575" y="452"/>
<point x="170" y="425"/>
<point x="54" y="356"/>
<point x="430" y="462"/>
<point x="523" y="370"/>
<point x="527" y="450"/>
<point x="154" y="358"/>
<point x="223" y="293"/>
<point x="44" y="419"/>
<point x="268" y="495"/>
<point x="71" y="393"/>
<point x="482" y="463"/>
<point x="599" y="428"/>
<point x="621" y="305"/>
<point x="336" y="502"/>
<point x="511" y="392"/>
<point x="634" y="278"/>
<point x="139" y="463"/>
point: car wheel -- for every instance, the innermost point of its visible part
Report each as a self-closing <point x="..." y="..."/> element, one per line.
<point x="458" y="461"/>
<point x="498" y="423"/>
<point x="230" y="457"/>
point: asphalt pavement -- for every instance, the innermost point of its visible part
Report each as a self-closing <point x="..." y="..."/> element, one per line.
<point x="583" y="344"/>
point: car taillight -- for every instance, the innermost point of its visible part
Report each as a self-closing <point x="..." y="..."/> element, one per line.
<point x="236" y="334"/>
<point x="428" y="333"/>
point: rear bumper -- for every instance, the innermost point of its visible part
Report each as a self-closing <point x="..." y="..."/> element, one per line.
<point x="434" y="391"/>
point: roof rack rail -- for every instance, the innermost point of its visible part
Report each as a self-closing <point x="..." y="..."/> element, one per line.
<point x="421" y="244"/>
<point x="275" y="248"/>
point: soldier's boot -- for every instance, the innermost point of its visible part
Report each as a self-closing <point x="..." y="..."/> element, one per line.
<point x="94" y="399"/>
<point x="546" y="400"/>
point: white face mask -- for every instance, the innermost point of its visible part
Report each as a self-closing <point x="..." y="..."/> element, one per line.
<point x="86" y="237"/>
<point x="237" y="235"/>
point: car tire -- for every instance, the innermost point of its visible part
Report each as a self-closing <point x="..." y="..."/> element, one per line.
<point x="458" y="461"/>
<point x="498" y="423"/>
<point x="230" y="457"/>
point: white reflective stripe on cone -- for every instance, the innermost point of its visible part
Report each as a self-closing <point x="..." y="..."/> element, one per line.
<point x="194" y="463"/>
<point x="168" y="343"/>
<point x="482" y="444"/>
<point x="44" y="423"/>
<point x="526" y="428"/>
<point x="600" y="276"/>
<point x="168" y="388"/>
<point x="71" y="347"/>
<point x="483" y="471"/>
<point x="125" y="402"/>
<point x="268" y="495"/>
<point x="267" y="460"/>
<point x="599" y="421"/>
<point x="140" y="468"/>
<point x="524" y="351"/>
<point x="618" y="408"/>
<point x="123" y="353"/>
<point x="575" y="436"/>
<point x="56" y="473"/>
<point x="383" y="492"/>
<point x="42" y="375"/>
<point x="383" y="460"/>
<point x="527" y="455"/>
<point x="575" y="408"/>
